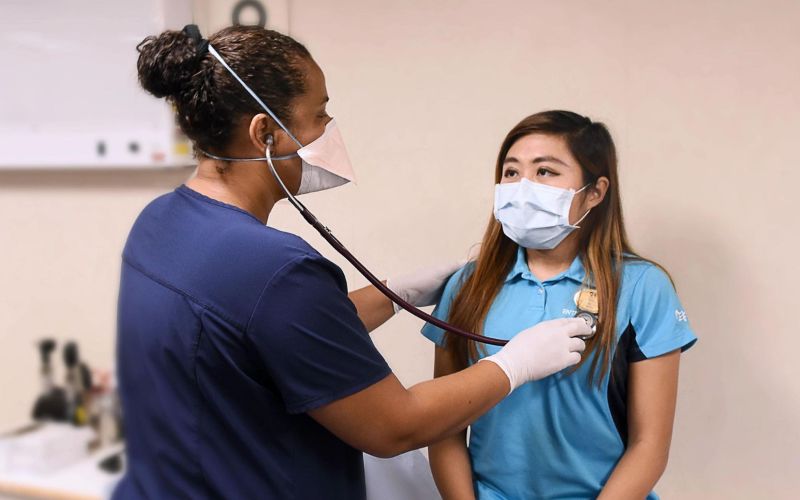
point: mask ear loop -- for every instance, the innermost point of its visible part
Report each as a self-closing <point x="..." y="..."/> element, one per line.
<point x="576" y="226"/>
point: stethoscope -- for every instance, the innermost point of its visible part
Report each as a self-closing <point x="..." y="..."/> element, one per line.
<point x="312" y="219"/>
<point x="339" y="247"/>
<point x="324" y="231"/>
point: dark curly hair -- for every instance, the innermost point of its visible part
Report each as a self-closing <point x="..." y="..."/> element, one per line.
<point x="208" y="101"/>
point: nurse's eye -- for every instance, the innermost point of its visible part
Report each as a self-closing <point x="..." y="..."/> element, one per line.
<point x="545" y="172"/>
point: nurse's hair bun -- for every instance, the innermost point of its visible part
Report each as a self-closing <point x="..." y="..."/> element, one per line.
<point x="168" y="62"/>
<point x="209" y="103"/>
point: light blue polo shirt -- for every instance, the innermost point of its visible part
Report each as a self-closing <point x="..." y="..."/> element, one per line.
<point x="560" y="437"/>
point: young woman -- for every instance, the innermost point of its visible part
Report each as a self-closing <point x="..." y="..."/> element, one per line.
<point x="245" y="369"/>
<point x="556" y="248"/>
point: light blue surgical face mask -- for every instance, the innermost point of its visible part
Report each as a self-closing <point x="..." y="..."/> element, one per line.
<point x="535" y="215"/>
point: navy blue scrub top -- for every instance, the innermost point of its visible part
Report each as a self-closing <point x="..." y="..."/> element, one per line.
<point x="228" y="333"/>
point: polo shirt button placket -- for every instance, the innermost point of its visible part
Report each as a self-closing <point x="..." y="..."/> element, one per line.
<point x="538" y="299"/>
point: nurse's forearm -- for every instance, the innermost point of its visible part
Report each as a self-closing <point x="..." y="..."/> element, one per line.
<point x="637" y="472"/>
<point x="386" y="419"/>
<point x="374" y="309"/>
<point x="446" y="405"/>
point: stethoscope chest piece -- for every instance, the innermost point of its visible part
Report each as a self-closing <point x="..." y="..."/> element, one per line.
<point x="588" y="307"/>
<point x="591" y="321"/>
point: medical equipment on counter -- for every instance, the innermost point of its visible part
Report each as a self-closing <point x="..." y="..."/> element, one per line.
<point x="113" y="464"/>
<point x="46" y="348"/>
<point x="52" y="402"/>
<point x="73" y="402"/>
<point x="105" y="413"/>
<point x="78" y="382"/>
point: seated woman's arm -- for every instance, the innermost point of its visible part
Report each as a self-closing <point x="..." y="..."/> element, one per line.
<point x="450" y="463"/>
<point x="652" y="394"/>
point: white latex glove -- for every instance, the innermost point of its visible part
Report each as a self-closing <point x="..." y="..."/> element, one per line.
<point x="423" y="287"/>
<point x="542" y="350"/>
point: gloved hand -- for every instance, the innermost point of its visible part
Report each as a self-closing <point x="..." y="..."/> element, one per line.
<point x="542" y="350"/>
<point x="425" y="286"/>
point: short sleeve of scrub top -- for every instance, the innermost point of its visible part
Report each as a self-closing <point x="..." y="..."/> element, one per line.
<point x="657" y="317"/>
<point x="309" y="336"/>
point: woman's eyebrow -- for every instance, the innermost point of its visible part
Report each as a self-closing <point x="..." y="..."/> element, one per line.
<point x="510" y="159"/>
<point x="552" y="159"/>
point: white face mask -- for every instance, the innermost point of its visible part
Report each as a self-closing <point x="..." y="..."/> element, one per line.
<point x="535" y="215"/>
<point x="325" y="163"/>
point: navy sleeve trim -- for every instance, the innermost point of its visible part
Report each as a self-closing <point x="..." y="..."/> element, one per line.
<point x="627" y="350"/>
<point x="313" y="404"/>
<point x="635" y="354"/>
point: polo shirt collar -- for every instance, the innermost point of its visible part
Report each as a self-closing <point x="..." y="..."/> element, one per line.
<point x="575" y="272"/>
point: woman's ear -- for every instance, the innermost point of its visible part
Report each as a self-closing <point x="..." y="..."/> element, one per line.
<point x="596" y="193"/>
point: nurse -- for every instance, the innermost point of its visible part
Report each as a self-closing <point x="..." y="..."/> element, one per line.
<point x="556" y="248"/>
<point x="245" y="369"/>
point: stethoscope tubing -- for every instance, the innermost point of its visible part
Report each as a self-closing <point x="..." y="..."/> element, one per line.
<point x="377" y="283"/>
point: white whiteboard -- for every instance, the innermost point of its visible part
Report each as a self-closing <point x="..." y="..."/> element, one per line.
<point x="69" y="97"/>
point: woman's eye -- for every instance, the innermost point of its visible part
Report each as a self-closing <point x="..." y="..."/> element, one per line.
<point x="545" y="172"/>
<point x="509" y="173"/>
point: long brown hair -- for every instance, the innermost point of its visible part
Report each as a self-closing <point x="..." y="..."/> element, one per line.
<point x="602" y="248"/>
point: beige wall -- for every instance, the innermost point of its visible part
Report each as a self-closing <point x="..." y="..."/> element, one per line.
<point x="702" y="98"/>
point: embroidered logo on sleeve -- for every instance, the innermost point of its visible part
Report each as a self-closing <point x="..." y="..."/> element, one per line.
<point x="681" y="316"/>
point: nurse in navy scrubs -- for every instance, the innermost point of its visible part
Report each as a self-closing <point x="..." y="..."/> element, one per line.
<point x="246" y="369"/>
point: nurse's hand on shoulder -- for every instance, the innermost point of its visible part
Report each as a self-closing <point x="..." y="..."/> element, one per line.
<point x="424" y="287"/>
<point x="542" y="350"/>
